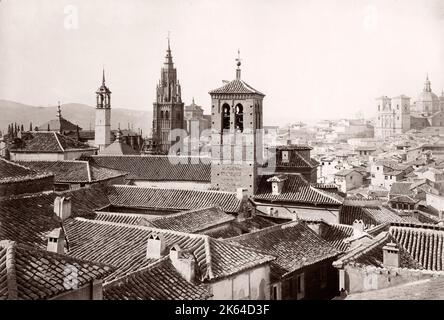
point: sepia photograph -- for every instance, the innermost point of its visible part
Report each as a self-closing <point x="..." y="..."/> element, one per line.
<point x="242" y="151"/>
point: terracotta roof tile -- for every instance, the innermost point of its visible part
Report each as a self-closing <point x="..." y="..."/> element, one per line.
<point x="236" y="86"/>
<point x="72" y="171"/>
<point x="178" y="199"/>
<point x="13" y="172"/>
<point x="158" y="281"/>
<point x="124" y="246"/>
<point x="295" y="189"/>
<point x="294" y="244"/>
<point x="50" y="142"/>
<point x="159" y="168"/>
<point x="192" y="221"/>
<point x="28" y="273"/>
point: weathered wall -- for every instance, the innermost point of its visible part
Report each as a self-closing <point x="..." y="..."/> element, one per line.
<point x="252" y="284"/>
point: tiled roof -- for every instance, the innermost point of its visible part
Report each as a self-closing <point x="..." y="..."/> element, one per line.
<point x="295" y="189"/>
<point x="73" y="171"/>
<point x="295" y="161"/>
<point x="424" y="244"/>
<point x="334" y="233"/>
<point x="28" y="219"/>
<point x="140" y="197"/>
<point x="118" y="148"/>
<point x="162" y="168"/>
<point x="191" y="221"/>
<point x="117" y="217"/>
<point x="50" y="142"/>
<point x="12" y="172"/>
<point x="125" y="246"/>
<point x="30" y="274"/>
<point x="427" y="289"/>
<point x="158" y="281"/>
<point x="236" y="86"/>
<point x="294" y="244"/>
<point x="371" y="254"/>
<point x="59" y="124"/>
<point x="370" y="215"/>
<point x="345" y="172"/>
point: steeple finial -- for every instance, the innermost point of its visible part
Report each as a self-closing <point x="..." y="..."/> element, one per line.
<point x="169" y="49"/>
<point x="103" y="76"/>
<point x="238" y="63"/>
<point x="59" y="111"/>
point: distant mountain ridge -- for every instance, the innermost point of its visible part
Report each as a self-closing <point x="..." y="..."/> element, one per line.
<point x="80" y="114"/>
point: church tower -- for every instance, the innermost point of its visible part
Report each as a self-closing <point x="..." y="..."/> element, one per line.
<point x="103" y="116"/>
<point x="236" y="120"/>
<point x="168" y="107"/>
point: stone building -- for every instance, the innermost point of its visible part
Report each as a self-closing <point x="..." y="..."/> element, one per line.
<point x="236" y="118"/>
<point x="397" y="115"/>
<point x="168" y="108"/>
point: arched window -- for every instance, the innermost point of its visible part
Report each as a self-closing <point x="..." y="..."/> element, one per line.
<point x="225" y="117"/>
<point x="161" y="114"/>
<point x="239" y="118"/>
<point x="167" y="115"/>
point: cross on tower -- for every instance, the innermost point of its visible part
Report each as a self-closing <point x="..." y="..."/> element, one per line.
<point x="238" y="59"/>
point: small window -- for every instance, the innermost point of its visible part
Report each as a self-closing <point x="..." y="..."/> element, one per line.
<point x="274" y="292"/>
<point x="285" y="157"/>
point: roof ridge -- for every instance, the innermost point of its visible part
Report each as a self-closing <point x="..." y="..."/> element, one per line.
<point x="88" y="170"/>
<point x="208" y="259"/>
<point x="164" y="188"/>
<point x="17" y="164"/>
<point x="181" y="213"/>
<point x="141" y="227"/>
<point x="326" y="194"/>
<point x="11" y="272"/>
<point x="264" y="230"/>
<point x="58" y="141"/>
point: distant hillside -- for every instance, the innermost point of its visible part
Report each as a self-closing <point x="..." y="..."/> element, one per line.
<point x="80" y="114"/>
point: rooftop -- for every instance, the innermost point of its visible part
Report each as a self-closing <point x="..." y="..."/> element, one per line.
<point x="38" y="141"/>
<point x="11" y="172"/>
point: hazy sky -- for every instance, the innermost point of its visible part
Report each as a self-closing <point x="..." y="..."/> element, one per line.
<point x="312" y="59"/>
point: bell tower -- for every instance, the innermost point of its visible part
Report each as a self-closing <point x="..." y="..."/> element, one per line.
<point x="168" y="108"/>
<point x="236" y="123"/>
<point x="103" y="116"/>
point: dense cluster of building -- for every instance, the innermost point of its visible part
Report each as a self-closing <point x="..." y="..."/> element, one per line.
<point x="100" y="220"/>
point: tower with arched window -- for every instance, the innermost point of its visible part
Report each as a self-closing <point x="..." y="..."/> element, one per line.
<point x="102" y="137"/>
<point x="236" y="123"/>
<point x="168" y="108"/>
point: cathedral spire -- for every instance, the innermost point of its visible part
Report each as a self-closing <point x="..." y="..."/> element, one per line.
<point x="169" y="57"/>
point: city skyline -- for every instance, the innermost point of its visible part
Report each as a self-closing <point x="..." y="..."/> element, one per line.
<point x="354" y="52"/>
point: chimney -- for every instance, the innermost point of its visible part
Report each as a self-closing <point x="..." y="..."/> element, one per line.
<point x="155" y="246"/>
<point x="62" y="207"/>
<point x="358" y="228"/>
<point x="241" y="193"/>
<point x="391" y="257"/>
<point x="183" y="262"/>
<point x="277" y="183"/>
<point x="56" y="241"/>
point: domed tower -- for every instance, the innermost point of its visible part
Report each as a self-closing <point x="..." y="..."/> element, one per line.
<point x="427" y="102"/>
<point x="103" y="116"/>
<point x="236" y="117"/>
<point x="168" y="108"/>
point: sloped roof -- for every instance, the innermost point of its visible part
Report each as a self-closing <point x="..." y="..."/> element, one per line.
<point x="124" y="247"/>
<point x="28" y="219"/>
<point x="11" y="172"/>
<point x="158" y="281"/>
<point x="191" y="221"/>
<point x="37" y="141"/>
<point x="118" y="148"/>
<point x="236" y="86"/>
<point x="59" y="124"/>
<point x="294" y="244"/>
<point x="426" y="289"/>
<point x="158" y="168"/>
<point x="27" y="273"/>
<point x="73" y="171"/>
<point x="370" y="215"/>
<point x="177" y="199"/>
<point x="334" y="233"/>
<point x="295" y="189"/>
